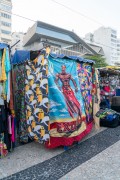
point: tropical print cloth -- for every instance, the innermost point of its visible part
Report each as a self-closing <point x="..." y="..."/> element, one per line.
<point x="85" y="79"/>
<point x="19" y="72"/>
<point x="36" y="98"/>
<point x="67" y="113"/>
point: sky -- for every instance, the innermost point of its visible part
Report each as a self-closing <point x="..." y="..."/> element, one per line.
<point x="85" y="16"/>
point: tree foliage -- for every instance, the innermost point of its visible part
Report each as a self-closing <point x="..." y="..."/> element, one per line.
<point x="99" y="60"/>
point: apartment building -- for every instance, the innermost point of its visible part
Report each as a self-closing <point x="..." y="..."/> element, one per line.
<point x="105" y="37"/>
<point x="5" y="21"/>
<point x="118" y="50"/>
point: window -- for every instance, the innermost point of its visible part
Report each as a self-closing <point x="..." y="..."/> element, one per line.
<point x="5" y="32"/>
<point x="6" y="8"/>
<point x="112" y="44"/>
<point x="5" y="15"/>
<point x="113" y="36"/>
<point x="112" y="58"/>
<point x="113" y="40"/>
<point x="6" y="24"/>
<point x="113" y="31"/>
<point x="5" y="40"/>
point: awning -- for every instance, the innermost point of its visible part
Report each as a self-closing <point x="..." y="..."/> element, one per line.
<point x="21" y="55"/>
<point x="77" y="58"/>
<point x="3" y="45"/>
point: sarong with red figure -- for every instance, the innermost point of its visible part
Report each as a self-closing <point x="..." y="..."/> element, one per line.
<point x="66" y="105"/>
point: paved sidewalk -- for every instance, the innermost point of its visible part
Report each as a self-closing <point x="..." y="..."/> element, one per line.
<point x="104" y="166"/>
<point x="86" y="160"/>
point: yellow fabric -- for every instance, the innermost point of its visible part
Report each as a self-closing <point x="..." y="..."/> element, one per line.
<point x="48" y="50"/>
<point x="112" y="67"/>
<point x="3" y="74"/>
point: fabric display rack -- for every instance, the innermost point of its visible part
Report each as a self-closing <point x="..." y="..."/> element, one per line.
<point x="7" y="117"/>
<point x="53" y="97"/>
<point x="109" y="80"/>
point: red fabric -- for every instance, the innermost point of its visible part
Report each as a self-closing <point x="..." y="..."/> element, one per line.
<point x="64" y="141"/>
<point x="72" y="102"/>
<point x="3" y="150"/>
<point x="107" y="88"/>
<point x="57" y="125"/>
<point x="13" y="130"/>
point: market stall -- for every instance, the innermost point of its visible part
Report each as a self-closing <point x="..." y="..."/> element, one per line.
<point x="53" y="97"/>
<point x="7" y="119"/>
<point x="109" y="80"/>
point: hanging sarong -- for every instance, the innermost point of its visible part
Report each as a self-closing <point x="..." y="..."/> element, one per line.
<point x="36" y="97"/>
<point x="67" y="110"/>
<point x="85" y="79"/>
<point x="19" y="96"/>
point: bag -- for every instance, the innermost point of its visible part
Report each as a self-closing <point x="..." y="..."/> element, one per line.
<point x="111" y="120"/>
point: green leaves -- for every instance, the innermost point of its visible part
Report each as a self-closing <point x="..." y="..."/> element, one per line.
<point x="99" y="60"/>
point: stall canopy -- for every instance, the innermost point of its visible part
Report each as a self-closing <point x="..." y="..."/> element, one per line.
<point x="3" y="45"/>
<point x="22" y="55"/>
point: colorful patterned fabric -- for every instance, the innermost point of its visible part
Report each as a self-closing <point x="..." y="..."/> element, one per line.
<point x="96" y="98"/>
<point x="104" y="112"/>
<point x="36" y="97"/>
<point x="108" y="84"/>
<point x="67" y="114"/>
<point x="19" y="92"/>
<point x="85" y="79"/>
<point x="3" y="147"/>
<point x="4" y="76"/>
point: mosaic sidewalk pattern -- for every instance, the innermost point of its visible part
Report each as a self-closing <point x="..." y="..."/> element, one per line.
<point x="60" y="165"/>
<point x="103" y="166"/>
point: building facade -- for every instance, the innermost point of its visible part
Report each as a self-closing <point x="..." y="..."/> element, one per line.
<point x="61" y="41"/>
<point x="17" y="41"/>
<point x="5" y="21"/>
<point x="118" y="51"/>
<point x="105" y="37"/>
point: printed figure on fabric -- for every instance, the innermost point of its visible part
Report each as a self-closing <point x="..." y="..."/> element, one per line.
<point x="71" y="101"/>
<point x="36" y="88"/>
<point x="85" y="79"/>
<point x="66" y="112"/>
